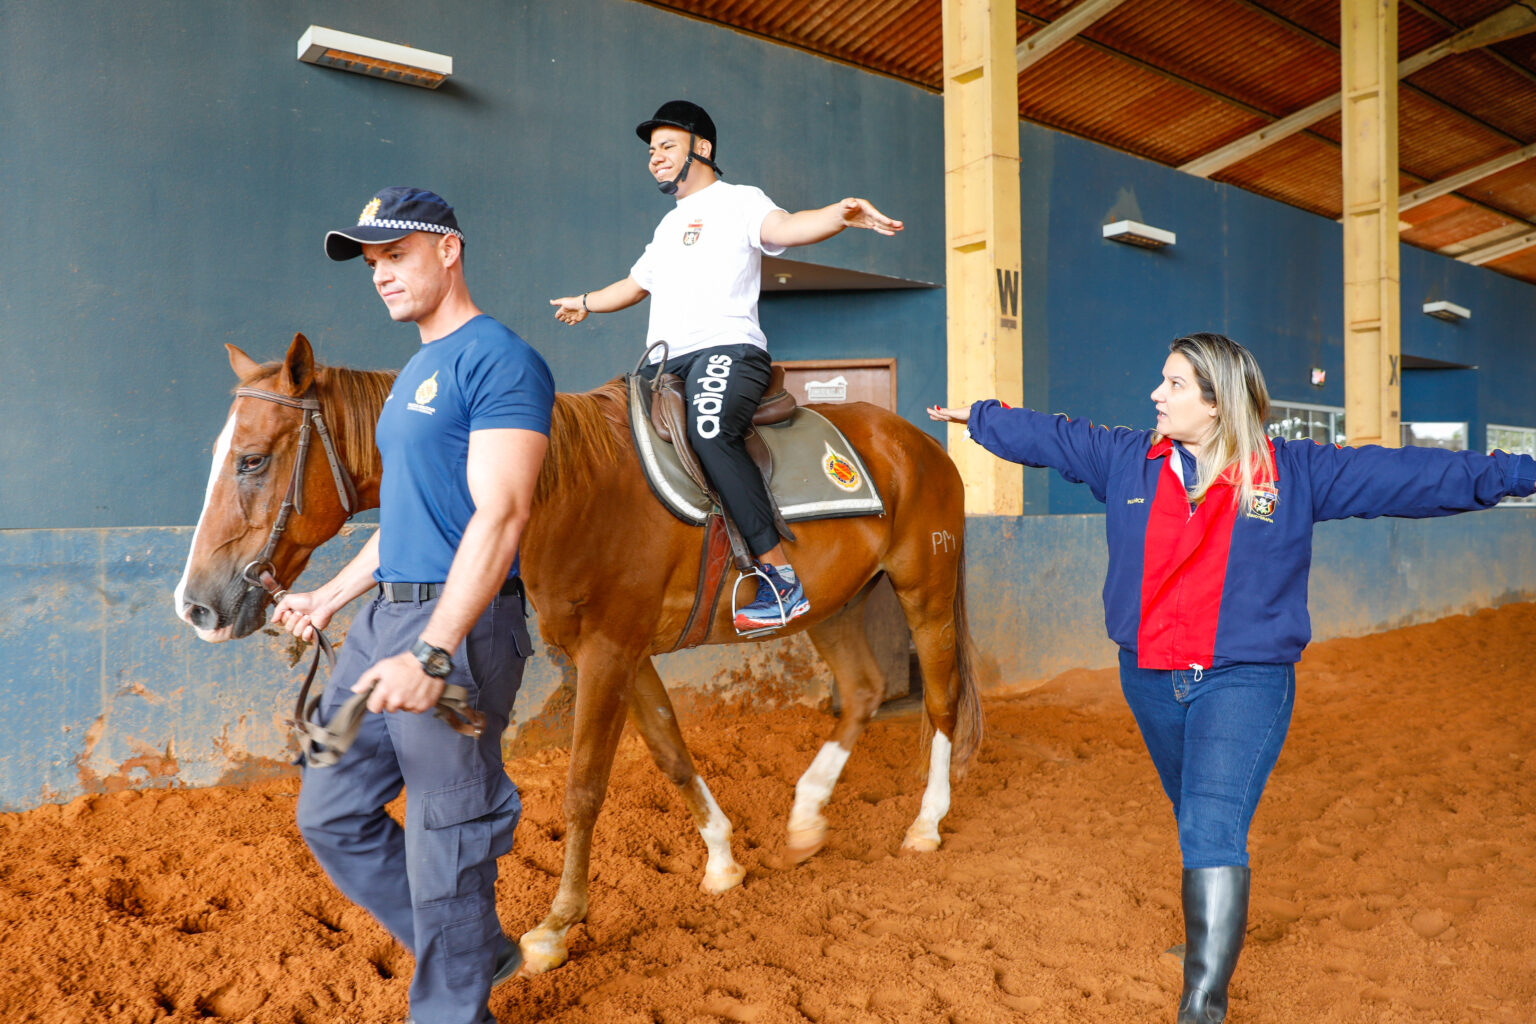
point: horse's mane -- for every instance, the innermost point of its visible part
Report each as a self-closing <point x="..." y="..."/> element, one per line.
<point x="350" y="401"/>
<point x="585" y="433"/>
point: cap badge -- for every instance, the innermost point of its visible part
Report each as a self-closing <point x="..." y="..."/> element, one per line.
<point x="370" y="211"/>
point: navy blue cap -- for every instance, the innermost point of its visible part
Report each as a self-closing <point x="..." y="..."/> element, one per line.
<point x="393" y="213"/>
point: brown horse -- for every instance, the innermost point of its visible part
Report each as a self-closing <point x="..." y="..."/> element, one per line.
<point x="612" y="575"/>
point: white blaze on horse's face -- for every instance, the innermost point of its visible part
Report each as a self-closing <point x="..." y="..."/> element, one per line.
<point x="183" y="611"/>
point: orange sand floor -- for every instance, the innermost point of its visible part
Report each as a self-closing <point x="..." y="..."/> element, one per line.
<point x="1394" y="874"/>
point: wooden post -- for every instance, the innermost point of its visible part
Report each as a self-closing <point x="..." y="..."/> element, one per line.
<point x="1372" y="300"/>
<point x="981" y="212"/>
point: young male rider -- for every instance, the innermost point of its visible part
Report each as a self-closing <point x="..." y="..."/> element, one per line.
<point x="702" y="271"/>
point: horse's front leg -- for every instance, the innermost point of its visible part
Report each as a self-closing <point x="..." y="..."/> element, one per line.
<point x="603" y="679"/>
<point x="651" y="710"/>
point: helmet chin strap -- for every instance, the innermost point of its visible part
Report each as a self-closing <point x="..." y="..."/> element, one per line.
<point x="670" y="187"/>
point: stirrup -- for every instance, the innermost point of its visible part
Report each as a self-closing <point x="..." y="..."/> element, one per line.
<point x="757" y="570"/>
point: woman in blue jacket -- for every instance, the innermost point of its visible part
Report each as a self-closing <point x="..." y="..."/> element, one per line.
<point x="1209" y="524"/>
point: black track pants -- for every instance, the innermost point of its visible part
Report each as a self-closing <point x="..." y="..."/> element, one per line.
<point x="723" y="385"/>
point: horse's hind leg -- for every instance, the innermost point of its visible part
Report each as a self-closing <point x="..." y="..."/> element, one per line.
<point x="651" y="711"/>
<point x="601" y="689"/>
<point x="931" y="586"/>
<point x="843" y="645"/>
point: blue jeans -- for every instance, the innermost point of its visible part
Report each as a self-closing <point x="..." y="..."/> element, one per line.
<point x="432" y="883"/>
<point x="1214" y="740"/>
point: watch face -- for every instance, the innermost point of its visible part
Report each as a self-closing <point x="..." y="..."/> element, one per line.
<point x="434" y="660"/>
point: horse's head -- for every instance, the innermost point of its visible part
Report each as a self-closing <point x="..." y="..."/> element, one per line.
<point x="243" y="530"/>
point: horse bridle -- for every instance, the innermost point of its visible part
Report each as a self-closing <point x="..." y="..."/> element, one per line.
<point x="260" y="572"/>
<point x="322" y="745"/>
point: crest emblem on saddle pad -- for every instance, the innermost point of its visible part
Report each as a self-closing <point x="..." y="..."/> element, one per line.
<point x="692" y="234"/>
<point x="370" y="211"/>
<point x="840" y="471"/>
<point x="1263" y="504"/>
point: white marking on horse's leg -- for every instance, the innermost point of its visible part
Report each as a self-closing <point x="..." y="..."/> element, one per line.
<point x="807" y="828"/>
<point x="543" y="949"/>
<point x="923" y="835"/>
<point x="220" y="453"/>
<point x="721" y="872"/>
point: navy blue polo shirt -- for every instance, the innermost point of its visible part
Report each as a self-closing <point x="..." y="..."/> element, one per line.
<point x="480" y="377"/>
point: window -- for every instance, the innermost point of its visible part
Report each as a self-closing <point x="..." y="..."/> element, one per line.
<point x="1297" y="421"/>
<point x="1451" y="436"/>
<point x="1517" y="441"/>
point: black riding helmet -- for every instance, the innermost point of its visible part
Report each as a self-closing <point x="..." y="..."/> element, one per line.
<point x="694" y="120"/>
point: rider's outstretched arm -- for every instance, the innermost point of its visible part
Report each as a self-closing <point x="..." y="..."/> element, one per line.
<point x="573" y="309"/>
<point x="811" y="226"/>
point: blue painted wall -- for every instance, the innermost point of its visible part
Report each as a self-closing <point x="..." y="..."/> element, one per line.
<point x="170" y="169"/>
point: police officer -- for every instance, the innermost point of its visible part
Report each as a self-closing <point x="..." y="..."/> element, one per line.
<point x="462" y="436"/>
<point x="702" y="271"/>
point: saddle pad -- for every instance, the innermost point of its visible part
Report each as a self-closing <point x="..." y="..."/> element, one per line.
<point x="816" y="472"/>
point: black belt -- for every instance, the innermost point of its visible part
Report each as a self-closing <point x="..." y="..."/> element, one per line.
<point x="427" y="591"/>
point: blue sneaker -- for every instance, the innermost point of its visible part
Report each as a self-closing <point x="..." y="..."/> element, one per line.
<point x="780" y="600"/>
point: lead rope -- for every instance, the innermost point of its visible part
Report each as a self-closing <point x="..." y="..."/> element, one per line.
<point x="321" y="745"/>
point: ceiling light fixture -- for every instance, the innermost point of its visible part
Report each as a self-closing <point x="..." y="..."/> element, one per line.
<point x="1132" y="233"/>
<point x="347" y="52"/>
<point x="1449" y="311"/>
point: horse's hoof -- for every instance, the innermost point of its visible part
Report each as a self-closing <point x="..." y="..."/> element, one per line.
<point x="717" y="882"/>
<point x="920" y="840"/>
<point x="541" y="952"/>
<point x="802" y="846"/>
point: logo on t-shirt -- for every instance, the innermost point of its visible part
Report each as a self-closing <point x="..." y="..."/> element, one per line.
<point x="425" y="392"/>
<point x="692" y="234"/>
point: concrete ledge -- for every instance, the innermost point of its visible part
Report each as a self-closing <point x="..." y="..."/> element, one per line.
<point x="105" y="689"/>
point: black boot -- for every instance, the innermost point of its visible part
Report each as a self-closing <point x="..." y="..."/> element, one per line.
<point x="1215" y="918"/>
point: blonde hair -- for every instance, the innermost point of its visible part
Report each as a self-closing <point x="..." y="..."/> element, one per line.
<point x="1230" y="379"/>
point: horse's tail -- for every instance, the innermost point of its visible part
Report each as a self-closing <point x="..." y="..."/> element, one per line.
<point x="968" y="717"/>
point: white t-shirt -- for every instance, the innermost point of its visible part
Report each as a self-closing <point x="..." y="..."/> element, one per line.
<point x="704" y="268"/>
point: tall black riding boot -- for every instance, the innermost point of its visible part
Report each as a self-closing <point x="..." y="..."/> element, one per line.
<point x="1215" y="918"/>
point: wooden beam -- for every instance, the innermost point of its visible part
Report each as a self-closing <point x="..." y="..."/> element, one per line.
<point x="1514" y="20"/>
<point x="1498" y="250"/>
<point x="1436" y="189"/>
<point x="1372" y="292"/>
<point x="982" y="228"/>
<point x="1039" y="44"/>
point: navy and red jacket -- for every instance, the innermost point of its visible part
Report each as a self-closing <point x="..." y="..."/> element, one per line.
<point x="1212" y="585"/>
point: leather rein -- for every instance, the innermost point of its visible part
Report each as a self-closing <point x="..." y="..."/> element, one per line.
<point x="319" y="745"/>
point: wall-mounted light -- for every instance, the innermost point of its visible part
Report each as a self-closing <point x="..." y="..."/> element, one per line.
<point x="1144" y="235"/>
<point x="332" y="49"/>
<point x="1443" y="310"/>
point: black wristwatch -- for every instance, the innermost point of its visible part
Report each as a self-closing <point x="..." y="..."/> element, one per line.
<point x="435" y="661"/>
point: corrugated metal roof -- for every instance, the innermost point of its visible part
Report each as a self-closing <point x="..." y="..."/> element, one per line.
<point x="1171" y="80"/>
